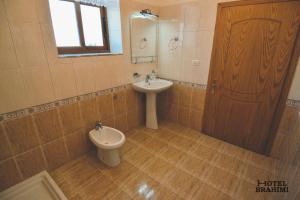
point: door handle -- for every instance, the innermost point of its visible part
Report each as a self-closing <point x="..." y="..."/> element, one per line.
<point x="213" y="86"/>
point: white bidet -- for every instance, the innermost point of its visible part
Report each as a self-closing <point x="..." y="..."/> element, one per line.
<point x="108" y="141"/>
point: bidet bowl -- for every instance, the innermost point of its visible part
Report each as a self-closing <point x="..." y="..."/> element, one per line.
<point x="107" y="138"/>
<point x="108" y="141"/>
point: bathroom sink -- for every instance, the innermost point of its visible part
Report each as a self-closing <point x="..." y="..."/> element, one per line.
<point x="151" y="89"/>
<point x="156" y="85"/>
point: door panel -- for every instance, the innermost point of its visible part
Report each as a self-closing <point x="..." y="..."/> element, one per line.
<point x="253" y="47"/>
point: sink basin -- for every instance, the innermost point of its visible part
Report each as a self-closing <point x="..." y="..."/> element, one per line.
<point x="151" y="89"/>
<point x="156" y="86"/>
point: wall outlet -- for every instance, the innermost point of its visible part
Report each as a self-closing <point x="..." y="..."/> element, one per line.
<point x="196" y="63"/>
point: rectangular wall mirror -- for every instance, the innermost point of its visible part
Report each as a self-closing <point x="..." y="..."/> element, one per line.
<point x="143" y="37"/>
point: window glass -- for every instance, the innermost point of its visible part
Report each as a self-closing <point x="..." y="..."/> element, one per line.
<point x="92" y="26"/>
<point x="63" y="15"/>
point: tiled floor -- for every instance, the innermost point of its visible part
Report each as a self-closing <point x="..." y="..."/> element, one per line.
<point x="172" y="162"/>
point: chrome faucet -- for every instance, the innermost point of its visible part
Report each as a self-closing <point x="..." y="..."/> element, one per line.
<point x="98" y="125"/>
<point x="147" y="80"/>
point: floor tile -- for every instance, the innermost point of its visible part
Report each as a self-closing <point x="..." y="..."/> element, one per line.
<point x="205" y="153"/>
<point x="247" y="191"/>
<point x="224" y="181"/>
<point x="210" y="193"/>
<point x="182" y="183"/>
<point x="164" y="135"/>
<point x="230" y="164"/>
<point x="74" y="178"/>
<point x="119" y="173"/>
<point x="157" y="168"/>
<point x="170" y="163"/>
<point x="182" y="143"/>
<point x="139" y="157"/>
<point x="172" y="154"/>
<point x="254" y="173"/>
<point x="140" y="137"/>
<point x="139" y="185"/>
<point x="155" y="146"/>
<point x="195" y="166"/>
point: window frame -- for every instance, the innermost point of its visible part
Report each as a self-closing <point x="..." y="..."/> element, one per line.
<point x="83" y="49"/>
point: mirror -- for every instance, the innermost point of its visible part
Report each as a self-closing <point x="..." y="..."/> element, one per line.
<point x="143" y="37"/>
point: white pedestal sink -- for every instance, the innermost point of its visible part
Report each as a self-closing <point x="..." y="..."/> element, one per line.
<point x="151" y="89"/>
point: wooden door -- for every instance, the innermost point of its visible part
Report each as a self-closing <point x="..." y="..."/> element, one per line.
<point x="255" y="52"/>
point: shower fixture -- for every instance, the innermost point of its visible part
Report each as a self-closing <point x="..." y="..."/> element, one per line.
<point x="143" y="43"/>
<point x="145" y="14"/>
<point x="173" y="43"/>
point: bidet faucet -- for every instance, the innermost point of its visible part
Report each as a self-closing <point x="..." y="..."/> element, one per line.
<point x="98" y="125"/>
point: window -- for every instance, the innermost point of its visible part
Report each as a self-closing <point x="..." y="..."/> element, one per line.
<point x="79" y="27"/>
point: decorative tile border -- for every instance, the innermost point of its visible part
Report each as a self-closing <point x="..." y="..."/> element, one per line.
<point x="49" y="106"/>
<point x="188" y="84"/>
<point x="52" y="105"/>
<point x="294" y="103"/>
<point x="290" y="102"/>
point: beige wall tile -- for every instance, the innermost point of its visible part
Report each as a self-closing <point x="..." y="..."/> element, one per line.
<point x="55" y="153"/>
<point x="184" y="116"/>
<point x="21" y="134"/>
<point x="121" y="122"/>
<point x="204" y="44"/>
<point x="119" y="102"/>
<point x="13" y="95"/>
<point x="85" y="77"/>
<point x="174" y="94"/>
<point x="105" y="103"/>
<point x="4" y="145"/>
<point x="20" y="11"/>
<point x="103" y="74"/>
<point x="133" y="119"/>
<point x="90" y="112"/>
<point x="290" y="121"/>
<point x="118" y="72"/>
<point x="48" y="125"/>
<point x="3" y="17"/>
<point x="108" y="122"/>
<point x="198" y="99"/>
<point x="29" y="44"/>
<point x="31" y="162"/>
<point x="38" y="85"/>
<point x="131" y="99"/>
<point x="50" y="46"/>
<point x="196" y="119"/>
<point x="70" y="117"/>
<point x="8" y="174"/>
<point x="64" y="81"/>
<point x="200" y="73"/>
<point x="294" y="91"/>
<point x="189" y="44"/>
<point x="32" y="44"/>
<point x="185" y="96"/>
<point x="8" y="58"/>
<point x="76" y="144"/>
<point x="173" y="112"/>
<point x="43" y="11"/>
<point x="191" y="16"/>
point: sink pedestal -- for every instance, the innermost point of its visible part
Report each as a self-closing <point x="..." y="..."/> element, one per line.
<point x="151" y="118"/>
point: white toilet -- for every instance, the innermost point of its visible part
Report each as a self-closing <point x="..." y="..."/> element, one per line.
<point x="108" y="141"/>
